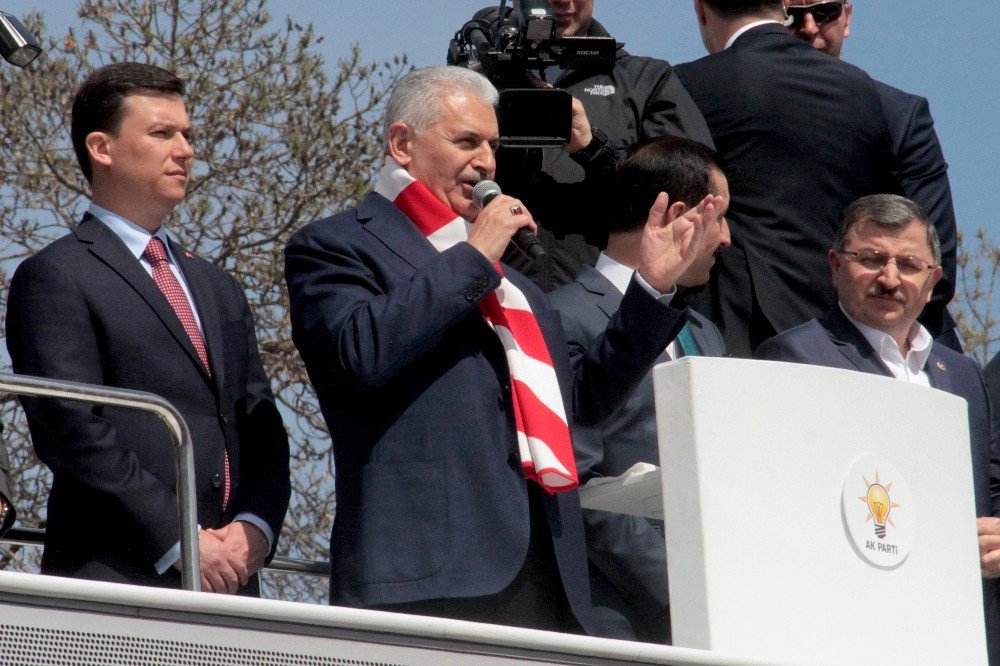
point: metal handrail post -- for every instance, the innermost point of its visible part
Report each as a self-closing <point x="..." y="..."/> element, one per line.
<point x="150" y="402"/>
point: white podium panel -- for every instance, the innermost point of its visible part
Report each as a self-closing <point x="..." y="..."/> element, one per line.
<point x="778" y="480"/>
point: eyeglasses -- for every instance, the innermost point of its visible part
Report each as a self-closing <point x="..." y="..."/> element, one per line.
<point x="822" y="12"/>
<point x="873" y="260"/>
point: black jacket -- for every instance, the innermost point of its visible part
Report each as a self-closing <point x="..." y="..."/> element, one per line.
<point x="568" y="195"/>
<point x="5" y="494"/>
<point x="800" y="135"/>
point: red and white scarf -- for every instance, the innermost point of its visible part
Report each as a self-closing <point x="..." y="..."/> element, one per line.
<point x="542" y="431"/>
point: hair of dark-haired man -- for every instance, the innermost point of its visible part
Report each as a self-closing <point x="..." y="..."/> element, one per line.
<point x="890" y="212"/>
<point x="99" y="105"/>
<point x="680" y="167"/>
<point x="733" y="9"/>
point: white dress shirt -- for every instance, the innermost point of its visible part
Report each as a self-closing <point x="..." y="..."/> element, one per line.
<point x="748" y="26"/>
<point x="909" y="368"/>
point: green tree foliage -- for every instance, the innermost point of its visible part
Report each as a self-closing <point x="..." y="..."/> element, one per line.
<point x="281" y="138"/>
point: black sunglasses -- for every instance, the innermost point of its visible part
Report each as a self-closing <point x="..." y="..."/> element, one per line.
<point x="822" y="12"/>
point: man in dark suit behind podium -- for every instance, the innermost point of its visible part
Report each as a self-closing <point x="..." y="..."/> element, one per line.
<point x="118" y="302"/>
<point x="800" y="136"/>
<point x="885" y="263"/>
<point x="628" y="569"/>
<point x="919" y="162"/>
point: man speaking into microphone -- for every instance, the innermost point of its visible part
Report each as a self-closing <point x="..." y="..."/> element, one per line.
<point x="443" y="376"/>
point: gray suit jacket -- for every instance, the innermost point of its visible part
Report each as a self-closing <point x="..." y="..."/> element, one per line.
<point x="627" y="555"/>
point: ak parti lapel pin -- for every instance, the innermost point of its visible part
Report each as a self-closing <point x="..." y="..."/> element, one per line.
<point x="191" y="256"/>
<point x="940" y="366"/>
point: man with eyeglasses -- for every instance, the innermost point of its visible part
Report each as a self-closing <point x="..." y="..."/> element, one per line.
<point x="919" y="162"/>
<point x="885" y="264"/>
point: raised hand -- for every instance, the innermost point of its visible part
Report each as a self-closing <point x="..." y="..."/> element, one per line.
<point x="670" y="245"/>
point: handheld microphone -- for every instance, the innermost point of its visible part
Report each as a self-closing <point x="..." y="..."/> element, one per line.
<point x="486" y="191"/>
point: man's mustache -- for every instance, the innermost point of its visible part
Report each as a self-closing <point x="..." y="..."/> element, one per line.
<point x="879" y="290"/>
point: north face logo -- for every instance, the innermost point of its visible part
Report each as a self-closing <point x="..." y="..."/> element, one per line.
<point x="600" y="90"/>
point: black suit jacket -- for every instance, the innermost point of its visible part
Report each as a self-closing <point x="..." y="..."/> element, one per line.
<point x="432" y="502"/>
<point x="835" y="342"/>
<point x="5" y="493"/>
<point x="800" y="135"/>
<point x="84" y="309"/>
<point x="627" y="554"/>
<point x="922" y="171"/>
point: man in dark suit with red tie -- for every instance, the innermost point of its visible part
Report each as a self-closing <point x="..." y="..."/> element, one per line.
<point x="118" y="302"/>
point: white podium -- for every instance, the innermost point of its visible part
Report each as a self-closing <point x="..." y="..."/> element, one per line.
<point x="817" y="516"/>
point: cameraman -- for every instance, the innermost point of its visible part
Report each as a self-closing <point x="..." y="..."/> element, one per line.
<point x="566" y="189"/>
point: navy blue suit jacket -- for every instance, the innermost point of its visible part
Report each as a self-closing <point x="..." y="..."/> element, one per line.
<point x="432" y="502"/>
<point x="84" y="309"/>
<point x="835" y="342"/>
<point x="800" y="135"/>
<point x="922" y="172"/>
<point x="627" y="554"/>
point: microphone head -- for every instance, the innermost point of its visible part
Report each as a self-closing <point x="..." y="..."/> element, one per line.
<point x="484" y="191"/>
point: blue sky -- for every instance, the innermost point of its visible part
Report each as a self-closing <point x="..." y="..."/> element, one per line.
<point x="944" y="51"/>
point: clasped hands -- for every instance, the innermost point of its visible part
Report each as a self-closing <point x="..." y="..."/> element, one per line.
<point x="230" y="555"/>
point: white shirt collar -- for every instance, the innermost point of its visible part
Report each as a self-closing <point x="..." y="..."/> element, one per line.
<point x="617" y="273"/>
<point x="748" y="26"/>
<point x="135" y="237"/>
<point x="909" y="367"/>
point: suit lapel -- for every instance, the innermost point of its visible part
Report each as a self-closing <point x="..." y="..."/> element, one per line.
<point x="608" y="298"/>
<point x="395" y="230"/>
<point x="937" y="371"/>
<point x="110" y="250"/>
<point x="852" y="344"/>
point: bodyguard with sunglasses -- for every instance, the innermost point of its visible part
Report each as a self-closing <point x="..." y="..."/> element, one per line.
<point x="800" y="136"/>
<point x="919" y="163"/>
<point x="825" y="25"/>
<point x="885" y="263"/>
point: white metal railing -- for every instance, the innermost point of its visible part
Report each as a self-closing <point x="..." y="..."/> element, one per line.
<point x="184" y="453"/>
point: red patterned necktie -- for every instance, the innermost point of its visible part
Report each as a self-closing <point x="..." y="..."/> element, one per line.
<point x="156" y="255"/>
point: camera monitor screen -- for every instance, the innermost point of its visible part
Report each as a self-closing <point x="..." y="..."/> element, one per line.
<point x="535" y="117"/>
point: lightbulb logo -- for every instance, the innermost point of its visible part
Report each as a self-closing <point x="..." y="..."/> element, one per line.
<point x="879" y="504"/>
<point x="889" y="510"/>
